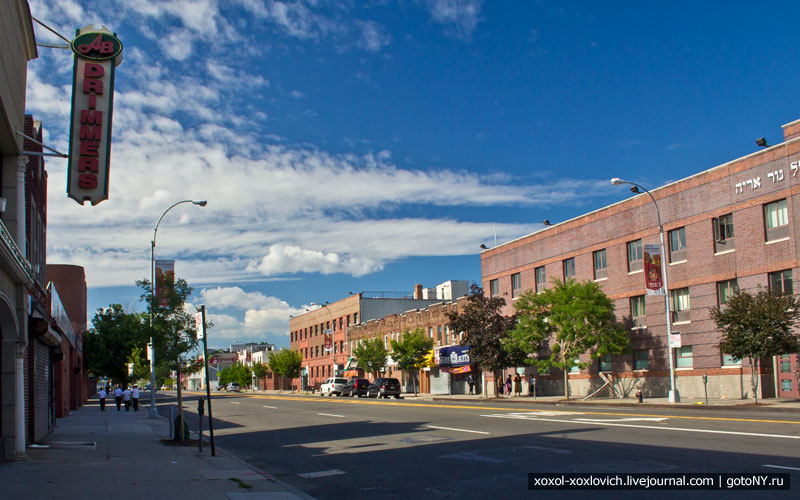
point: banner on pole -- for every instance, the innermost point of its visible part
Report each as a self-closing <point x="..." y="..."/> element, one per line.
<point x="165" y="273"/>
<point x="654" y="281"/>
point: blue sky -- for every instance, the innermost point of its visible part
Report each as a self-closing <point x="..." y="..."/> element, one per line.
<point x="371" y="145"/>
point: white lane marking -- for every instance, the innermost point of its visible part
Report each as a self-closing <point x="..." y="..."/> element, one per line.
<point x="627" y="419"/>
<point x="453" y="429"/>
<point x="322" y="473"/>
<point x="609" y="424"/>
<point x="781" y="467"/>
<point x="234" y="403"/>
<point x="330" y="415"/>
<point x="273" y="407"/>
<point x="551" y="450"/>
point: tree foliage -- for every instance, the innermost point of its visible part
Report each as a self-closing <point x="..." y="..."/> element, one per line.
<point x="238" y="373"/>
<point x="286" y="363"/>
<point x="486" y="331"/>
<point x="174" y="333"/>
<point x="409" y="352"/>
<point x="757" y="326"/>
<point x="260" y="370"/>
<point x="115" y="338"/>
<point x="572" y="318"/>
<point x="371" y="356"/>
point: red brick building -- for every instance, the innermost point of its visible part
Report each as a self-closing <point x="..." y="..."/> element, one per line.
<point x="733" y="225"/>
<point x="321" y="334"/>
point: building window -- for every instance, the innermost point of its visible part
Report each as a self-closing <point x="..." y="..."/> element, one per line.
<point x="494" y="288"/>
<point x="541" y="279"/>
<point x="516" y="284"/>
<point x="575" y="368"/>
<point x="638" y="313"/>
<point x="600" y="264"/>
<point x="605" y="363"/>
<point x="679" y="304"/>
<point x="683" y="357"/>
<point x="723" y="233"/>
<point x="725" y="290"/>
<point x="776" y="220"/>
<point x="355" y="318"/>
<point x="641" y="359"/>
<point x="786" y="366"/>
<point x="786" y="384"/>
<point x="439" y="333"/>
<point x="780" y="282"/>
<point x="728" y="360"/>
<point x="635" y="256"/>
<point x="677" y="245"/>
<point x="569" y="268"/>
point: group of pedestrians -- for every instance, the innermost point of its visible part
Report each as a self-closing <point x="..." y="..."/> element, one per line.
<point x="122" y="396"/>
<point x="515" y="385"/>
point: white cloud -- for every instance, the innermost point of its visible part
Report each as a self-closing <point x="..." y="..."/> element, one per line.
<point x="460" y="17"/>
<point x="263" y="316"/>
<point x="294" y="259"/>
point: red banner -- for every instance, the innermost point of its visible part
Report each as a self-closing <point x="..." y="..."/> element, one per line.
<point x="654" y="282"/>
<point x="164" y="269"/>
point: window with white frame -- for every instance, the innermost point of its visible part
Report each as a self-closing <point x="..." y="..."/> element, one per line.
<point x="541" y="279"/>
<point x="600" y="264"/>
<point x="725" y="290"/>
<point x="776" y="220"/>
<point x="780" y="282"/>
<point x="723" y="233"/>
<point x="494" y="288"/>
<point x="677" y="245"/>
<point x="641" y="359"/>
<point x="683" y="357"/>
<point x="638" y="312"/>
<point x="679" y="304"/>
<point x="516" y="285"/>
<point x="568" y="266"/>
<point x="635" y="256"/>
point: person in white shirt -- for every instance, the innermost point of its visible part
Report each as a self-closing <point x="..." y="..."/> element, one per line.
<point x="126" y="397"/>
<point x="135" y="396"/>
<point x="102" y="396"/>
<point x="118" y="397"/>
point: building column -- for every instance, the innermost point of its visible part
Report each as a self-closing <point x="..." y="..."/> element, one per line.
<point x="19" y="410"/>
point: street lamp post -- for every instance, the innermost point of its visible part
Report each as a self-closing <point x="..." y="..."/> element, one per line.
<point x="674" y="395"/>
<point x="153" y="409"/>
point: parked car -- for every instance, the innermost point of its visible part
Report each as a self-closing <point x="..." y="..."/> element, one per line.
<point x="384" y="387"/>
<point x="355" y="387"/>
<point x="332" y="386"/>
<point x="234" y="387"/>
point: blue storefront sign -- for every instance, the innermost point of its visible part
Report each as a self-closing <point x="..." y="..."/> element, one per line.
<point x="453" y="356"/>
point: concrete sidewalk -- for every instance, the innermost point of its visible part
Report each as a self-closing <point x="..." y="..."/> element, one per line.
<point x="94" y="454"/>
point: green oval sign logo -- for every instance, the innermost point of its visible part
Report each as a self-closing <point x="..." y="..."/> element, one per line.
<point x="96" y="46"/>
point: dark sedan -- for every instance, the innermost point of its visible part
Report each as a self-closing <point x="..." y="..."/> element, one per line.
<point x="355" y="387"/>
<point x="384" y="387"/>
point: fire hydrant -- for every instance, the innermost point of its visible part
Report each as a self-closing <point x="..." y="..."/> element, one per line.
<point x="639" y="396"/>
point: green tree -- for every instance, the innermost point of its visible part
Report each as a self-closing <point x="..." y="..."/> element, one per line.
<point x="173" y="329"/>
<point x="757" y="326"/>
<point x="410" y="352"/>
<point x="141" y="365"/>
<point x="486" y="331"/>
<point x="286" y="364"/>
<point x="260" y="370"/>
<point x="371" y="355"/>
<point x="237" y="373"/>
<point x="574" y="318"/>
<point x="110" y="344"/>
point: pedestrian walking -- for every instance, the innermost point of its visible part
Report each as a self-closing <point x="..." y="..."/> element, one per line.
<point x="102" y="396"/>
<point x="531" y="384"/>
<point x="471" y="382"/>
<point x="508" y="385"/>
<point x="126" y="398"/>
<point x="135" y="397"/>
<point x="118" y="397"/>
<point x="500" y="386"/>
<point x="517" y="385"/>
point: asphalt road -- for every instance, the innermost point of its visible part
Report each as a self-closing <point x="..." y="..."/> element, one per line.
<point x="350" y="448"/>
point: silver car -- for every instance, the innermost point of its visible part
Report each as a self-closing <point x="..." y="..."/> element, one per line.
<point x="332" y="386"/>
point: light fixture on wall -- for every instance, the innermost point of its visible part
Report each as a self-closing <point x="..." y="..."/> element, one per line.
<point x="761" y="142"/>
<point x="546" y="222"/>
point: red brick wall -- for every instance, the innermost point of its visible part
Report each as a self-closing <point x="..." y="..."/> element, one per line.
<point x="689" y="203"/>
